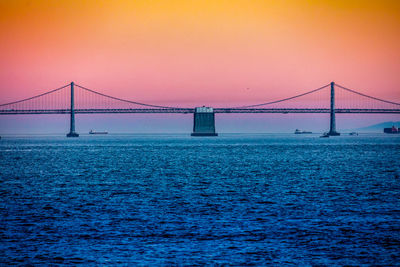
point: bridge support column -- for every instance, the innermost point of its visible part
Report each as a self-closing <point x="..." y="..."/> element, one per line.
<point x="204" y="122"/>
<point x="72" y="132"/>
<point x="332" y="129"/>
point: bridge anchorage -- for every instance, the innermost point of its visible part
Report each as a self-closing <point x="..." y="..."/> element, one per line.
<point x="75" y="99"/>
<point x="204" y="122"/>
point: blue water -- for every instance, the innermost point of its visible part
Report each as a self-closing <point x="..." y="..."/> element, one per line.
<point x="179" y="200"/>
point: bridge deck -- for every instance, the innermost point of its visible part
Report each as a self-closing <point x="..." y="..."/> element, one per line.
<point x="192" y="110"/>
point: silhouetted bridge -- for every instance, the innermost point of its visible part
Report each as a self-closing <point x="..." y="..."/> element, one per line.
<point x="68" y="100"/>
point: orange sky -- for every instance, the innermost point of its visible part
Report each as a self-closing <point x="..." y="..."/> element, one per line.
<point x="199" y="52"/>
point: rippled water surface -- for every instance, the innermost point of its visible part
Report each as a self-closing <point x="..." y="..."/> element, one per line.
<point x="178" y="200"/>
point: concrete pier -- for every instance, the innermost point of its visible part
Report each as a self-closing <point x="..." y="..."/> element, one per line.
<point x="72" y="132"/>
<point x="204" y="122"/>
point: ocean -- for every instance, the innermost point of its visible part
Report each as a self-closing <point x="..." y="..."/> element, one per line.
<point x="236" y="199"/>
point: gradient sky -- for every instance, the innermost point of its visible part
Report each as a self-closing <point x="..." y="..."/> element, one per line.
<point x="199" y="52"/>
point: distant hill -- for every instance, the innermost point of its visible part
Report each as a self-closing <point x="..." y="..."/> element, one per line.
<point x="379" y="127"/>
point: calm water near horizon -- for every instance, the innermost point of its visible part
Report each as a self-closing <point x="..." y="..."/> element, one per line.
<point x="178" y="200"/>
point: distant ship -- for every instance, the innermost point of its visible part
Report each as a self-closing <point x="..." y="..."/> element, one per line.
<point x="94" y="132"/>
<point x="301" y="132"/>
<point x="392" y="130"/>
<point x="353" y="133"/>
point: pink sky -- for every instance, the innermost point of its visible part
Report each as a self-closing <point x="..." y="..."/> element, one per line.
<point x="199" y="52"/>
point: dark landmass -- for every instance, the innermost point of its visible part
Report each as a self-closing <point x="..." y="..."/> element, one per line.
<point x="379" y="127"/>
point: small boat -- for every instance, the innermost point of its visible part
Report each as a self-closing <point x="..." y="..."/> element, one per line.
<point x="301" y="132"/>
<point x="324" y="135"/>
<point x="94" y="132"/>
<point x="353" y="133"/>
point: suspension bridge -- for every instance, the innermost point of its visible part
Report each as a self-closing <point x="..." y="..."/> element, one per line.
<point x="75" y="99"/>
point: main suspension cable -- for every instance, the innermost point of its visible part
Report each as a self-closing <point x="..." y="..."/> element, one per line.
<point x="124" y="100"/>
<point x="371" y="97"/>
<point x="285" y="99"/>
<point x="36" y="96"/>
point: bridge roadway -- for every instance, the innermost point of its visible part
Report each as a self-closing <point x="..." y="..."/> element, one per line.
<point x="192" y="110"/>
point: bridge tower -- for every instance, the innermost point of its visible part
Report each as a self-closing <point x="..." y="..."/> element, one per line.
<point x="204" y="122"/>
<point x="72" y="132"/>
<point x="332" y="130"/>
